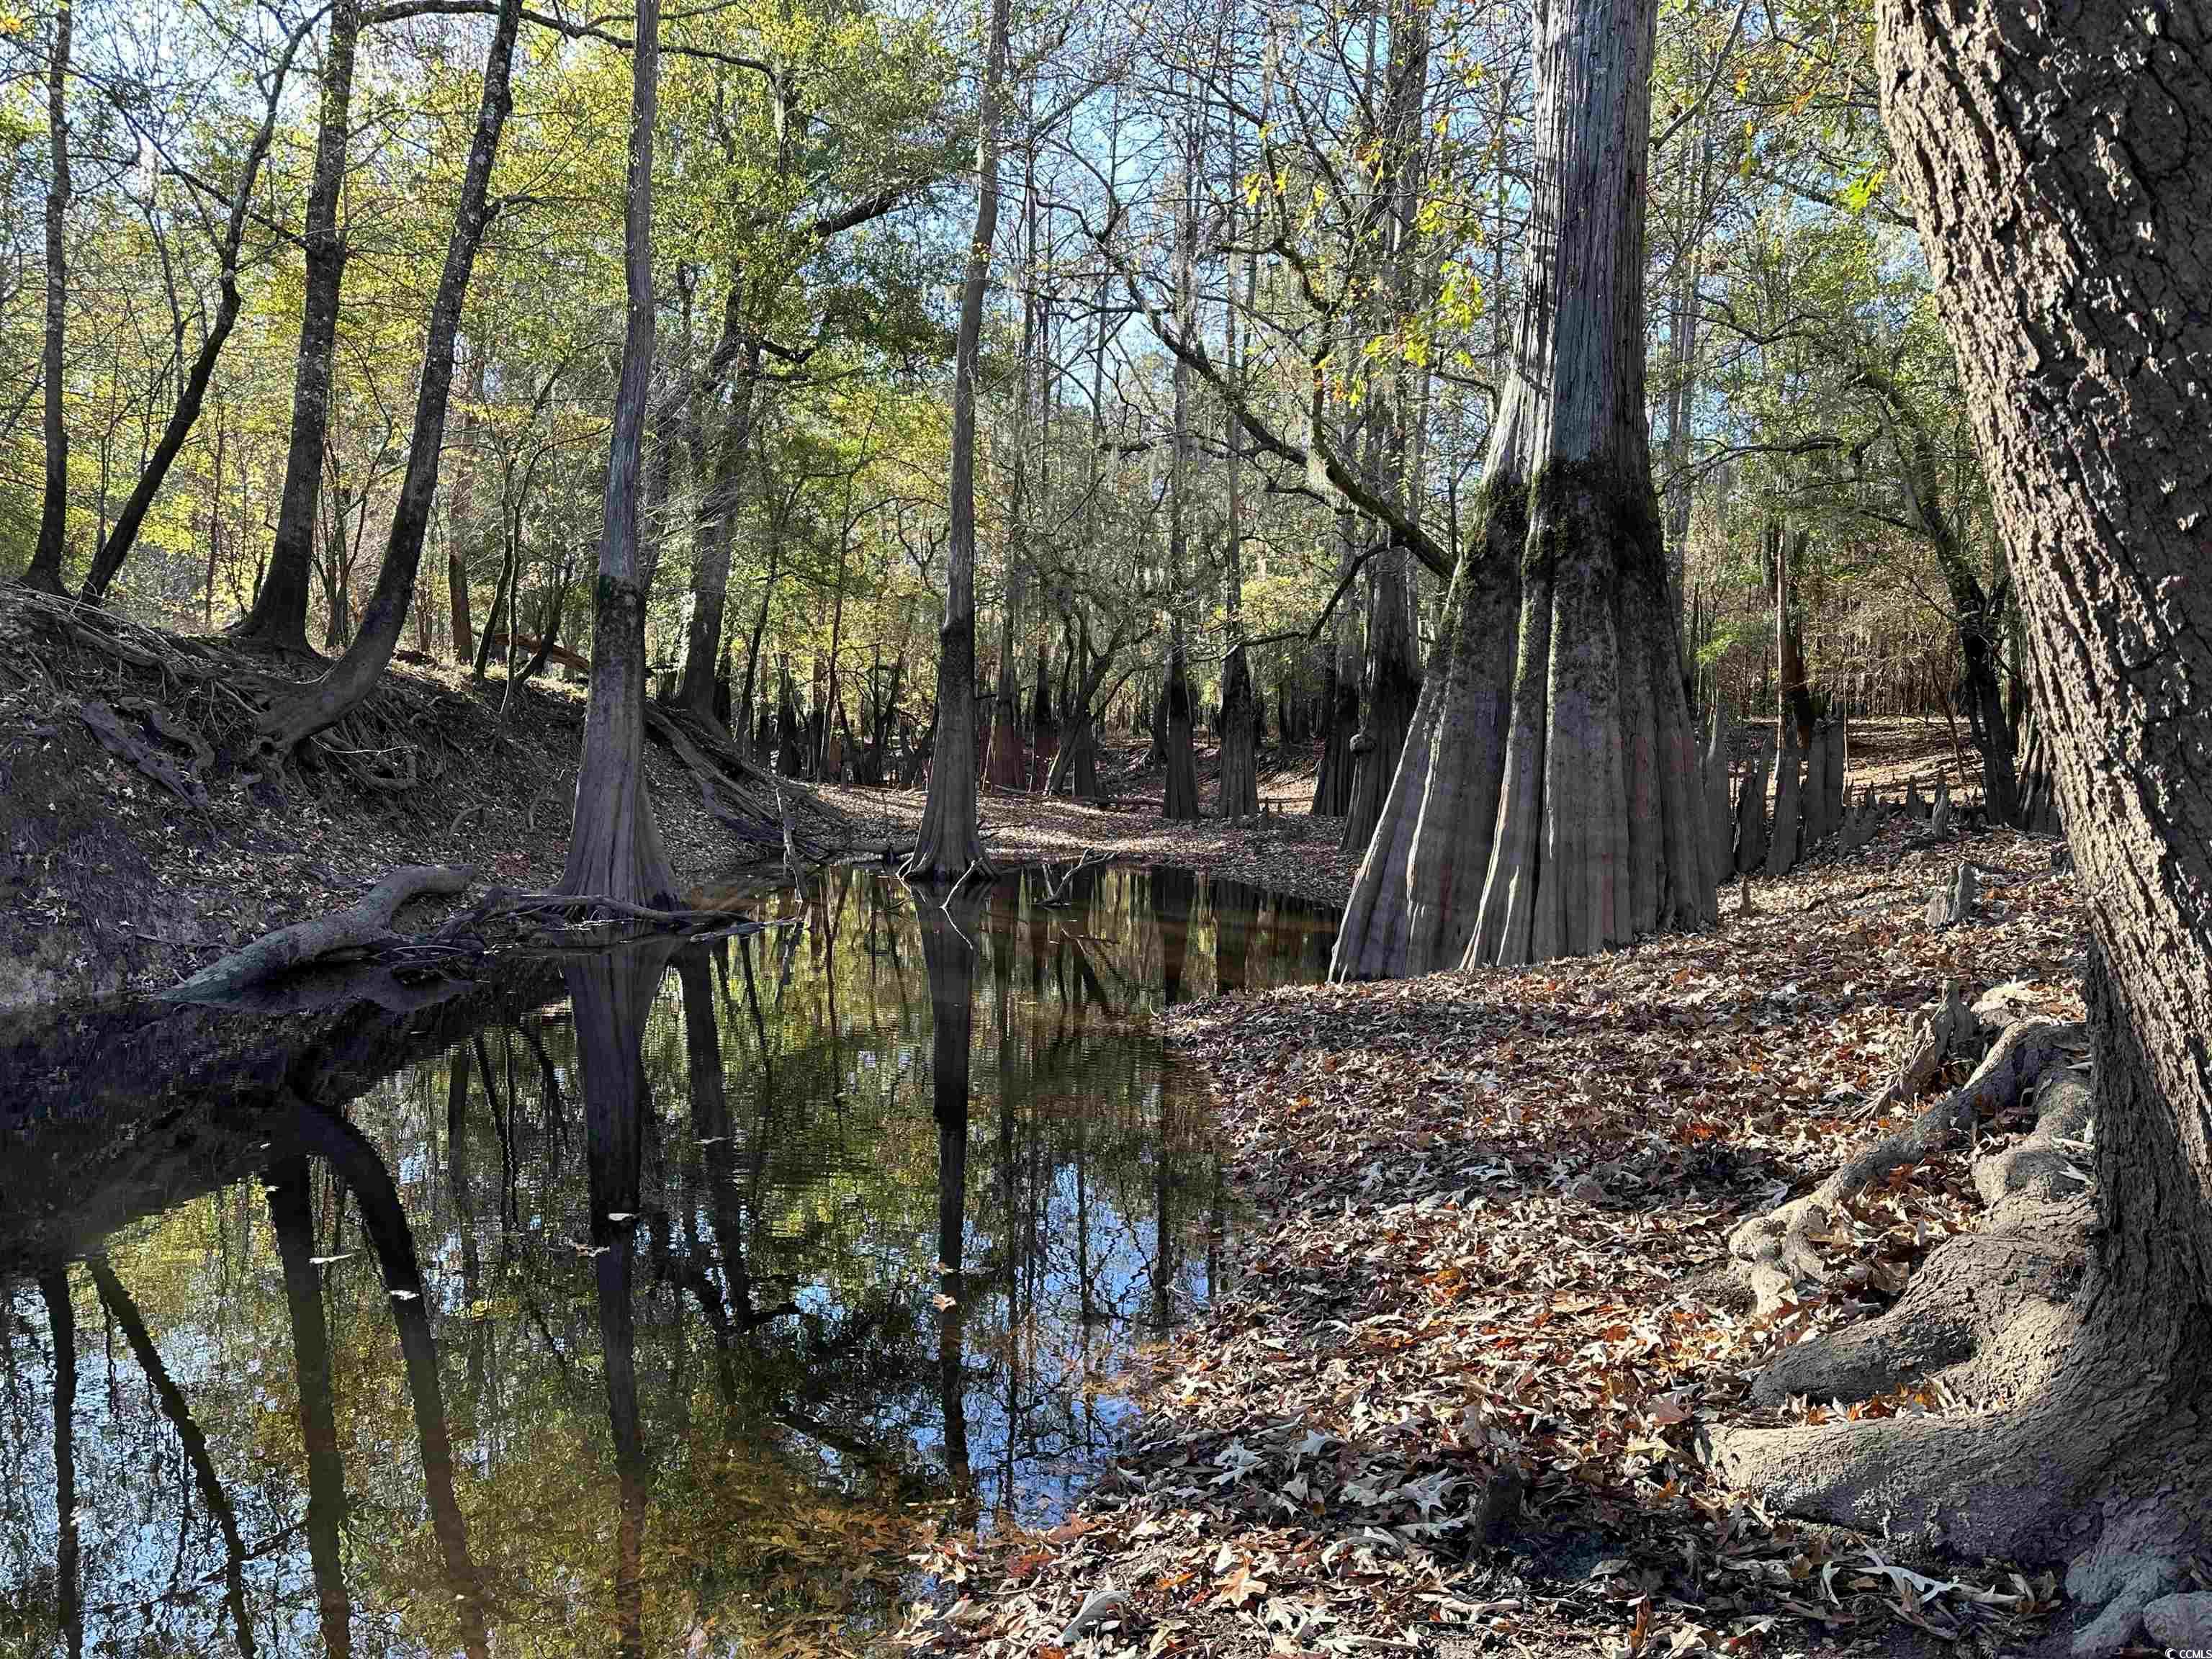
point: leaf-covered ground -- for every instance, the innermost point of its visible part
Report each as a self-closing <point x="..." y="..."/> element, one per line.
<point x="1288" y="851"/>
<point x="1485" y="1218"/>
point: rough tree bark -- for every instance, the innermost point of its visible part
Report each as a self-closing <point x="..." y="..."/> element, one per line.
<point x="1548" y="801"/>
<point x="950" y="840"/>
<point x="45" y="568"/>
<point x="614" y="845"/>
<point x="291" y="721"/>
<point x="279" y="616"/>
<point x="2058" y="159"/>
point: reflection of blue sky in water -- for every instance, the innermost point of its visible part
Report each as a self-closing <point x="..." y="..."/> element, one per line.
<point x="787" y="1428"/>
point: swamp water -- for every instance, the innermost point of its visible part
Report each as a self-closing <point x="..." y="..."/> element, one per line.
<point x="656" y="1302"/>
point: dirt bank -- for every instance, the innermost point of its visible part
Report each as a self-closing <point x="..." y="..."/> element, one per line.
<point x="112" y="880"/>
<point x="141" y="837"/>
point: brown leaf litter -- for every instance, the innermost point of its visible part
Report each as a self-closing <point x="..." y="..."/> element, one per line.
<point x="1452" y="1403"/>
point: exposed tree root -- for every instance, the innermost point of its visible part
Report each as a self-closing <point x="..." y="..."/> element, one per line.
<point x="354" y="928"/>
<point x="2098" y="1462"/>
<point x="2064" y="1438"/>
<point x="1777" y="1251"/>
<point x="352" y="955"/>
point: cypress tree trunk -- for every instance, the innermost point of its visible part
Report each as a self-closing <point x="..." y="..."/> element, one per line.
<point x="2058" y="157"/>
<point x="790" y="749"/>
<point x="1751" y="809"/>
<point x="1179" y="790"/>
<point x="1393" y="686"/>
<point x="614" y="845"/>
<point x="46" y="568"/>
<point x="1782" y="844"/>
<point x="1720" y="819"/>
<point x="1340" y="712"/>
<point x="951" y="839"/>
<point x="1548" y="801"/>
<point x="1044" y="723"/>
<point x="1240" y="737"/>
<point x="279" y="616"/>
<point x="291" y="722"/>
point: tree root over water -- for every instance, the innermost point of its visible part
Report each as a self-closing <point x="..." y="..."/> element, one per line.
<point x="2070" y="1433"/>
<point x="353" y="953"/>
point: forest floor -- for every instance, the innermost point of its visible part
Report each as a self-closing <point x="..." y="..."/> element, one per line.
<point x="1486" y="1217"/>
<point x="1288" y="851"/>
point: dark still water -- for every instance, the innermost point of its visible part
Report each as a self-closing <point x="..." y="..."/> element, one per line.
<point x="657" y="1302"/>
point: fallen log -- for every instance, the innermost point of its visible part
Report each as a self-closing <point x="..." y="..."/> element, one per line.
<point x="357" y="927"/>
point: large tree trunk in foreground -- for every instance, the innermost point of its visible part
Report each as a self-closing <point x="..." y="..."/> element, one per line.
<point x="291" y="722"/>
<point x="1548" y="801"/>
<point x="279" y="614"/>
<point x="2061" y="159"/>
<point x="951" y="839"/>
<point x="614" y="843"/>
<point x="45" y="568"/>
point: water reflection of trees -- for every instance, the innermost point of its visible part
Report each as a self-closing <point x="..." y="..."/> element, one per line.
<point x="655" y="1315"/>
